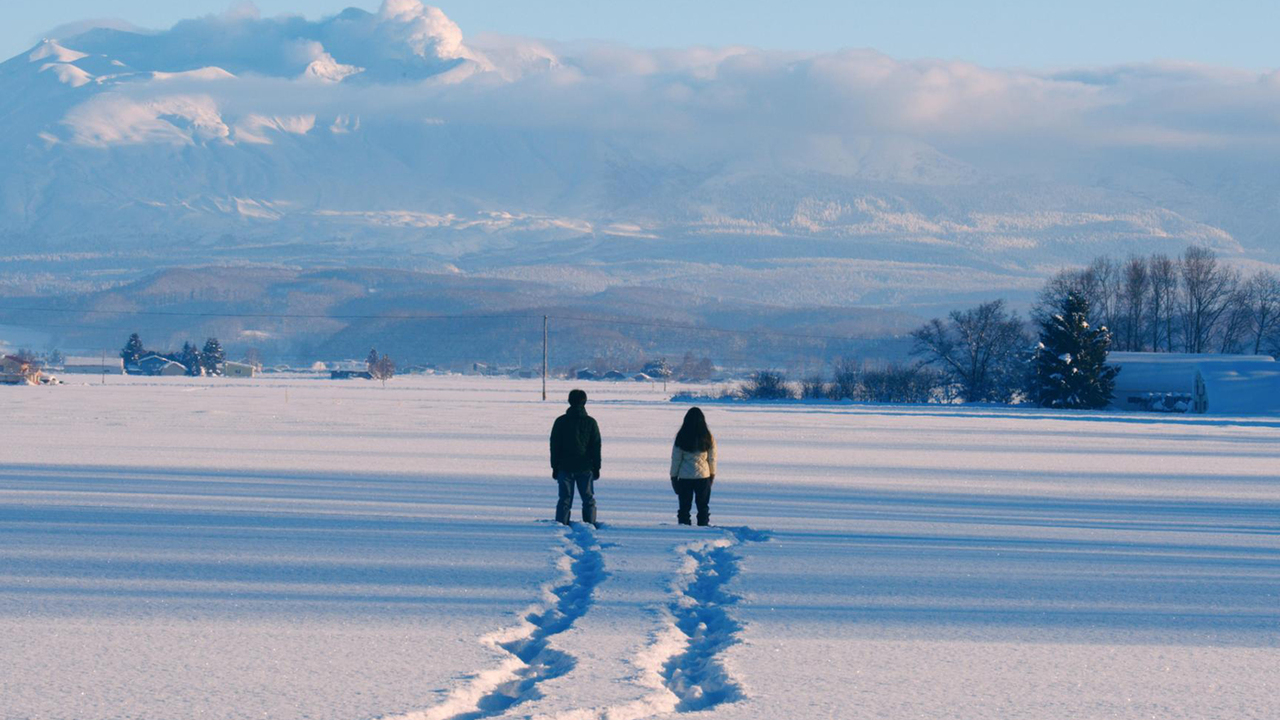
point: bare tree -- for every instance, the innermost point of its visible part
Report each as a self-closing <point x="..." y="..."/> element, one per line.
<point x="1163" y="272"/>
<point x="977" y="350"/>
<point x="1262" y="292"/>
<point x="1058" y="285"/>
<point x="384" y="368"/>
<point x="692" y="368"/>
<point x="1100" y="283"/>
<point x="1207" y="288"/>
<point x="1130" y="327"/>
<point x="845" y="379"/>
<point x="1107" y="277"/>
<point x="1233" y="327"/>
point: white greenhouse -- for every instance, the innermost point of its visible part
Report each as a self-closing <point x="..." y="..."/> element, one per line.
<point x="1215" y="384"/>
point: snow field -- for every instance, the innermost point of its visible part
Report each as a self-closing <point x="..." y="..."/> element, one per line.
<point x="205" y="548"/>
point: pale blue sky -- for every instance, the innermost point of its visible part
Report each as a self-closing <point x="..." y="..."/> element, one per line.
<point x="1002" y="33"/>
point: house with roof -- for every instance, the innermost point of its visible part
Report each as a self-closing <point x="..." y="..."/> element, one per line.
<point x="238" y="370"/>
<point x="16" y="371"/>
<point x="160" y="365"/>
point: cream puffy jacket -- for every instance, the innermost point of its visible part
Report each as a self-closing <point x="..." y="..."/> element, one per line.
<point x="693" y="465"/>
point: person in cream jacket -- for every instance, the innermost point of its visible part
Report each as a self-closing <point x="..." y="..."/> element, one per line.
<point x="693" y="467"/>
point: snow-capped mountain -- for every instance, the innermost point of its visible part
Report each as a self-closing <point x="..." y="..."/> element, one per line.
<point x="389" y="137"/>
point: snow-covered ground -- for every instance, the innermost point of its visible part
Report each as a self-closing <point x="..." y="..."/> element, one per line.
<point x="300" y="548"/>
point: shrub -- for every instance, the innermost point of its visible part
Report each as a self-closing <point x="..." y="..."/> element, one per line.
<point x="845" y="381"/>
<point x="814" y="388"/>
<point x="899" y="384"/>
<point x="767" y="385"/>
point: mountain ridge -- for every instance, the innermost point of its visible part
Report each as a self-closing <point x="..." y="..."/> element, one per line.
<point x="388" y="139"/>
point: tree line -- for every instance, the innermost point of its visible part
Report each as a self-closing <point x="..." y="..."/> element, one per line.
<point x="1192" y="303"/>
<point x="983" y="354"/>
<point x="206" y="360"/>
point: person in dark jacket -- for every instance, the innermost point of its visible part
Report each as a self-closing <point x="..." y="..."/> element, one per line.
<point x="575" y="458"/>
<point x="693" y="467"/>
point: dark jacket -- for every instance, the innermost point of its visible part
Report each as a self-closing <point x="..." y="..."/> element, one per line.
<point x="575" y="442"/>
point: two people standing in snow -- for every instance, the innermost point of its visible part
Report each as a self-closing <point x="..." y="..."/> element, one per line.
<point x="575" y="462"/>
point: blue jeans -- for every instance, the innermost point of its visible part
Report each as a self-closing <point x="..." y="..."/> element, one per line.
<point x="585" y="484"/>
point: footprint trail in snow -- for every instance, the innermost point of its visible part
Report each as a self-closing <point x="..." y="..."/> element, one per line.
<point x="700" y="610"/>
<point x="697" y="676"/>
<point x="684" y="663"/>
<point x="532" y="660"/>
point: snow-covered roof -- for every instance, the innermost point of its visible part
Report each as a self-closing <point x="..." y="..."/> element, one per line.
<point x="1121" y="358"/>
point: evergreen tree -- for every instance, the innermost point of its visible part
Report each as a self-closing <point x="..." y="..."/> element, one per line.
<point x="1069" y="369"/>
<point x="658" y="369"/>
<point x="212" y="357"/>
<point x="133" y="350"/>
<point x="372" y="361"/>
<point x="190" y="359"/>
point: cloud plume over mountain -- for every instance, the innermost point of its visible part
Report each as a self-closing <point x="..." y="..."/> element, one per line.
<point x="697" y="91"/>
<point x="391" y="129"/>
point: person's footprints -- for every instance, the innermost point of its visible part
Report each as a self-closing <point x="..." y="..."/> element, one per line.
<point x="684" y="662"/>
<point x="533" y="661"/>
<point x="700" y="611"/>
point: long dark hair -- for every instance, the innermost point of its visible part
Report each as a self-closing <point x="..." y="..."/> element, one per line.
<point x="694" y="435"/>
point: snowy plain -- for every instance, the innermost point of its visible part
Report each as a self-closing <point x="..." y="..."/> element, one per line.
<point x="302" y="548"/>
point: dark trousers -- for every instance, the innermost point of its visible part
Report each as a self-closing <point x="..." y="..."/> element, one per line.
<point x="586" y="488"/>
<point x="687" y="490"/>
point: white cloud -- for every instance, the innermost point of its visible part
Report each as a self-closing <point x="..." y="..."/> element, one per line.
<point x="409" y="60"/>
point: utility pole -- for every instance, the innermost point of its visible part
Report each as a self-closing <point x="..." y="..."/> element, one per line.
<point x="544" y="358"/>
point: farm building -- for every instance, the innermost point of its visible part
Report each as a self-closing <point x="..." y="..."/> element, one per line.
<point x="160" y="365"/>
<point x="1215" y="384"/>
<point x="16" y="371"/>
<point x="93" y="366"/>
<point x="350" y="375"/>
<point x="235" y="369"/>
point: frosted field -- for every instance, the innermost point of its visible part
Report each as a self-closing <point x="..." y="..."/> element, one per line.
<point x="298" y="548"/>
